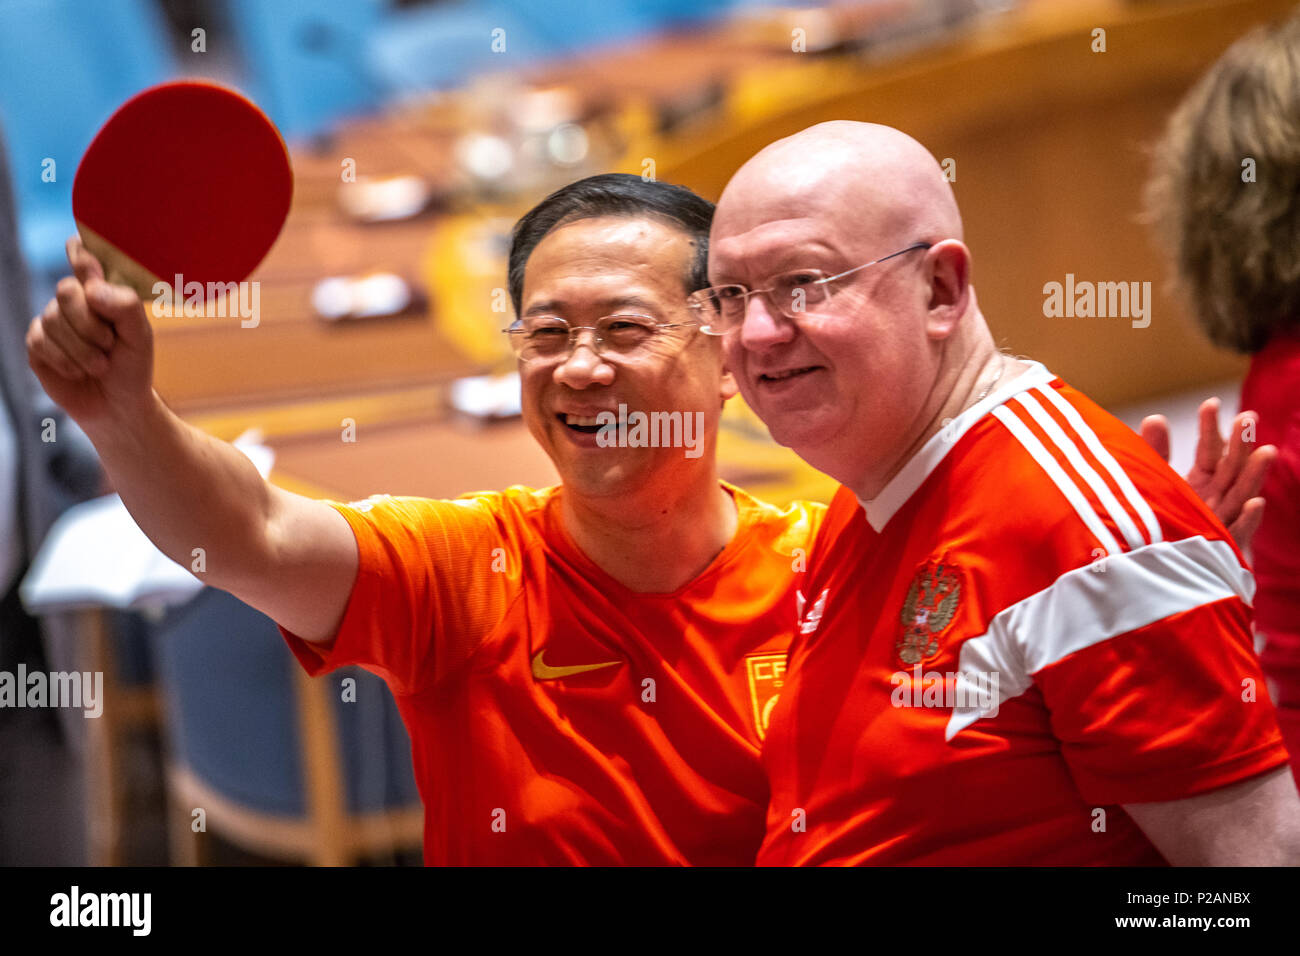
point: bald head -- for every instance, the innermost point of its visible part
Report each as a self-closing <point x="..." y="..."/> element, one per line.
<point x="853" y="374"/>
<point x="876" y="183"/>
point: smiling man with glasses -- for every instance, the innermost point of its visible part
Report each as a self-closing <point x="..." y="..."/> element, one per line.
<point x="576" y="665"/>
<point x="1035" y="642"/>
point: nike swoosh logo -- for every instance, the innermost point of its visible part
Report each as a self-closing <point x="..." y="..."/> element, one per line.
<point x="544" y="671"/>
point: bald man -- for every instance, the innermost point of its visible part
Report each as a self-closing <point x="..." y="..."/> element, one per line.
<point x="1025" y="639"/>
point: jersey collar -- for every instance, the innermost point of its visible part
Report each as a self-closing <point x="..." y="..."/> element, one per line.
<point x="905" y="484"/>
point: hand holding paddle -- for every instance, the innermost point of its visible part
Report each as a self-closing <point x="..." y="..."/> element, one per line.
<point x="209" y="213"/>
<point x="92" y="347"/>
<point x="185" y="179"/>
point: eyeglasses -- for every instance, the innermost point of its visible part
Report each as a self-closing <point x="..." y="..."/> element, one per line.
<point x="722" y="307"/>
<point x="625" y="336"/>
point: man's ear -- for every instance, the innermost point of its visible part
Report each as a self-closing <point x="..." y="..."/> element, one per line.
<point x="729" y="387"/>
<point x="950" y="291"/>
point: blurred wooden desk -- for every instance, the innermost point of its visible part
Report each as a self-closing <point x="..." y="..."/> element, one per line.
<point x="424" y="457"/>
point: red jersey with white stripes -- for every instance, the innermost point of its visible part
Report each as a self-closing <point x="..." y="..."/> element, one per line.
<point x="1035" y="622"/>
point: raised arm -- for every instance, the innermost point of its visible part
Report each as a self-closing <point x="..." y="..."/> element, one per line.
<point x="290" y="557"/>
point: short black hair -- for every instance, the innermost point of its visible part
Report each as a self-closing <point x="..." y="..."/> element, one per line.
<point x="613" y="194"/>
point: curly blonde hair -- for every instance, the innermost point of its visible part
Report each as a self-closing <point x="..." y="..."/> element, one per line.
<point x="1235" y="243"/>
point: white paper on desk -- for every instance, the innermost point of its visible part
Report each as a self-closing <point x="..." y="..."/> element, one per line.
<point x="96" y="556"/>
<point x="488" y="396"/>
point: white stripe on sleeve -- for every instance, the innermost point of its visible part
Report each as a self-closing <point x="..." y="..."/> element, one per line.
<point x="1086" y="606"/>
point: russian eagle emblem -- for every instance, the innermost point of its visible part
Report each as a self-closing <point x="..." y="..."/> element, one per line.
<point x="930" y="606"/>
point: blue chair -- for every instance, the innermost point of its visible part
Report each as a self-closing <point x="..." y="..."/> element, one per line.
<point x="116" y="644"/>
<point x="280" y="764"/>
<point x="437" y="48"/>
<point x="311" y="64"/>
<point x="442" y="46"/>
<point x="68" y="65"/>
<point x="305" y="61"/>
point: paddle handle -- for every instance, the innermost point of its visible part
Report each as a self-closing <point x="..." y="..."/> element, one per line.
<point x="119" y="268"/>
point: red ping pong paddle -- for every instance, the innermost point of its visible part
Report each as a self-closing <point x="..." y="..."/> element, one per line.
<point x="186" y="178"/>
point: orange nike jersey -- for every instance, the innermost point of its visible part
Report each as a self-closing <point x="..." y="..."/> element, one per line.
<point x="555" y="715"/>
<point x="1034" y="623"/>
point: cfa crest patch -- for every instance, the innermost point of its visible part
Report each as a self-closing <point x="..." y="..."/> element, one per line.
<point x="928" y="609"/>
<point x="766" y="678"/>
